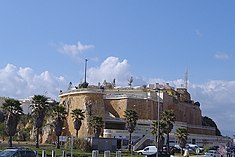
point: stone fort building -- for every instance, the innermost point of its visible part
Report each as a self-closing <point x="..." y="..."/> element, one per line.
<point x="110" y="102"/>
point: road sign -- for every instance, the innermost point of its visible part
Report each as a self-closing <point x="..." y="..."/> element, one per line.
<point x="63" y="138"/>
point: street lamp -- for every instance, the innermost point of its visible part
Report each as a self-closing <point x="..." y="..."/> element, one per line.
<point x="158" y="119"/>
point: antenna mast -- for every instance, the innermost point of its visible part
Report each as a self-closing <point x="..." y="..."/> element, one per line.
<point x="84" y="84"/>
<point x="186" y="78"/>
<point x="85" y="70"/>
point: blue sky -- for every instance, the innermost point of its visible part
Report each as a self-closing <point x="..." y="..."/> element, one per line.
<point x="43" y="45"/>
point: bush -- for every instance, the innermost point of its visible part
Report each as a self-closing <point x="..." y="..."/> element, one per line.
<point x="81" y="144"/>
<point x="206" y="148"/>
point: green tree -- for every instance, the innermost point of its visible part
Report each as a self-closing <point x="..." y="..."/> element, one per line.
<point x="168" y="118"/>
<point x="131" y="118"/>
<point x="78" y="116"/>
<point x="2" y="118"/>
<point x="24" y="127"/>
<point x="206" y="121"/>
<point x="2" y="125"/>
<point x="2" y="130"/>
<point x="39" y="107"/>
<point x="161" y="132"/>
<point x="59" y="115"/>
<point x="97" y="124"/>
<point x="182" y="135"/>
<point x="13" y="110"/>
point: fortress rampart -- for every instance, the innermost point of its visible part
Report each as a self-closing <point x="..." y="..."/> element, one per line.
<point x="112" y="103"/>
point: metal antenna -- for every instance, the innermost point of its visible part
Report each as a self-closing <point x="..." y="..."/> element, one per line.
<point x="85" y="69"/>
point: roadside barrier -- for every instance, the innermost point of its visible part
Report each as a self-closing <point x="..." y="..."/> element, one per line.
<point x="107" y="153"/>
<point x="95" y="153"/>
<point x="44" y="153"/>
<point x="118" y="153"/>
<point x="53" y="153"/>
<point x="64" y="153"/>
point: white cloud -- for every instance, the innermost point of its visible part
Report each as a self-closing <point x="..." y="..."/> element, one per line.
<point x="221" y="56"/>
<point x="111" y="68"/>
<point x="217" y="101"/>
<point x="216" y="96"/>
<point x="174" y="83"/>
<point x="75" y="49"/>
<point x="23" y="82"/>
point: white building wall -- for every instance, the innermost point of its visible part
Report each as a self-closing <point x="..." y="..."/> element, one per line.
<point x="143" y="129"/>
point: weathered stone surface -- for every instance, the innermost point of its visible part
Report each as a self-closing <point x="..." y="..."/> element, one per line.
<point x="81" y="101"/>
<point x="143" y="101"/>
<point x="146" y="109"/>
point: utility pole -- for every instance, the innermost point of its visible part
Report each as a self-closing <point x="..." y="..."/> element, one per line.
<point x="158" y="120"/>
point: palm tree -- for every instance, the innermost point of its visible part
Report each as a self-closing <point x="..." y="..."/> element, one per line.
<point x="39" y="108"/>
<point x="59" y="115"/>
<point x="131" y="117"/>
<point x="2" y="118"/>
<point x="2" y="131"/>
<point x="23" y="127"/>
<point x="13" y="110"/>
<point x="168" y="118"/>
<point x="2" y="126"/>
<point x="161" y="132"/>
<point x="78" y="116"/>
<point x="181" y="134"/>
<point x="97" y="123"/>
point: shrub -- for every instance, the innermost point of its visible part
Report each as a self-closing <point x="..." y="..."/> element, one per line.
<point x="82" y="144"/>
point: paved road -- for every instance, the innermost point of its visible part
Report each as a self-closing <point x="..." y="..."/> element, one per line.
<point x="189" y="156"/>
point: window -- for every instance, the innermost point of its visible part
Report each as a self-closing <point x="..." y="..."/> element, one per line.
<point x="17" y="154"/>
<point x="193" y="141"/>
<point x="30" y="154"/>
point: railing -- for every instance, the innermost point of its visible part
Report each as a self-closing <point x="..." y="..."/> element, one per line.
<point x="81" y="90"/>
<point x="123" y="132"/>
<point x="94" y="153"/>
<point x="124" y="95"/>
<point x="201" y="127"/>
<point x="140" y="142"/>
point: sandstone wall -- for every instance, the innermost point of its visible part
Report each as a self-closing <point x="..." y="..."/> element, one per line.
<point x="184" y="112"/>
<point x="146" y="109"/>
<point x="204" y="131"/>
<point x="116" y="107"/>
<point x="81" y="101"/>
